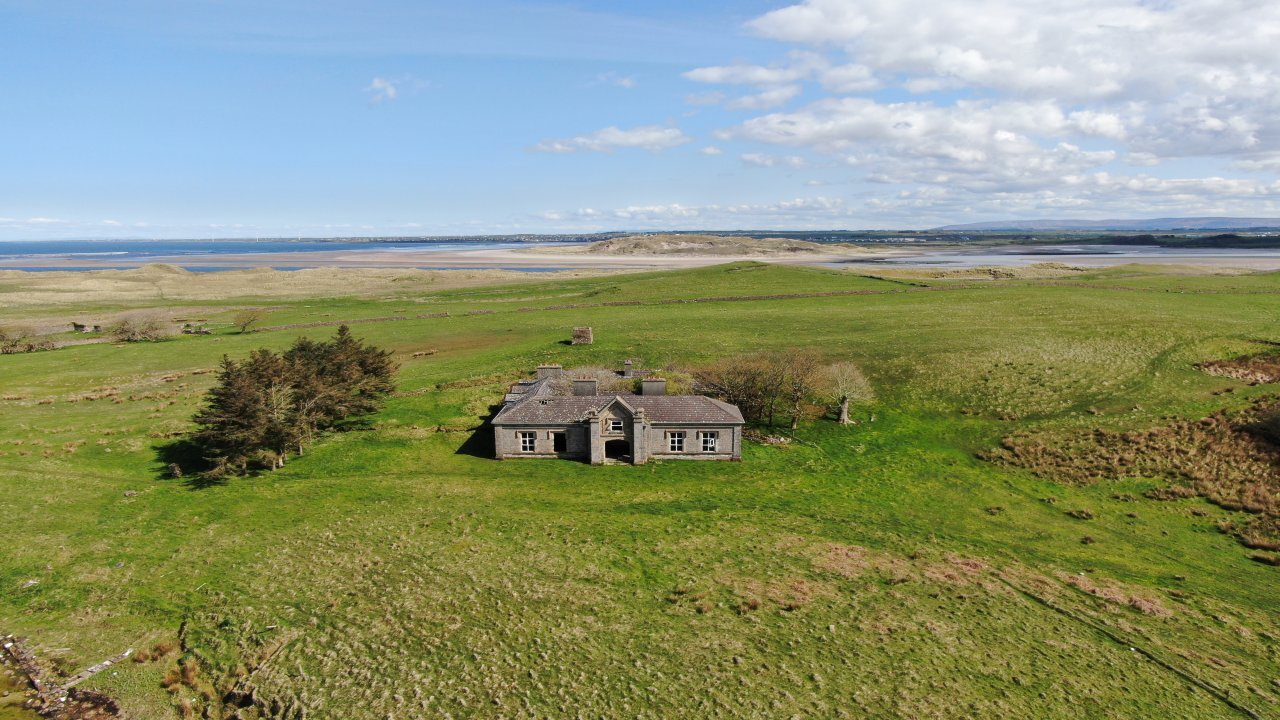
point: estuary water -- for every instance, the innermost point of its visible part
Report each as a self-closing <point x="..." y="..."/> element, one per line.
<point x="205" y="255"/>
<point x="1090" y="255"/>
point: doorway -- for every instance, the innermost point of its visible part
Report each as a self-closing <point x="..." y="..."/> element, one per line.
<point x="617" y="450"/>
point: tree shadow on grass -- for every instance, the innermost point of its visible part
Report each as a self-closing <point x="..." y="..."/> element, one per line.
<point x="480" y="442"/>
<point x="184" y="455"/>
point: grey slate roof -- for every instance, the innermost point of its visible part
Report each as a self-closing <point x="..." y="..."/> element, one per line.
<point x="533" y="408"/>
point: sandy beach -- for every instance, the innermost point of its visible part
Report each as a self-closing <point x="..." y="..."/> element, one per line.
<point x="576" y="258"/>
<point x="430" y="259"/>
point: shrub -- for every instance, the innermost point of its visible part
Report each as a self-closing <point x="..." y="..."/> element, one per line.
<point x="139" y="327"/>
<point x="19" y="339"/>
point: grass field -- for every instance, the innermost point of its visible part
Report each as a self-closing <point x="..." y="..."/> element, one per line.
<point x="875" y="570"/>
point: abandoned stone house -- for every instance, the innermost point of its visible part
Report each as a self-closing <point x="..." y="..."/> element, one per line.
<point x="538" y="421"/>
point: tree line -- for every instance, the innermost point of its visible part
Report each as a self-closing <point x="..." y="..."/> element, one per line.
<point x="270" y="405"/>
<point x="767" y="386"/>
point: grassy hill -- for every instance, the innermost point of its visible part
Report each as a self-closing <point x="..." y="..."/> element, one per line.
<point x="876" y="570"/>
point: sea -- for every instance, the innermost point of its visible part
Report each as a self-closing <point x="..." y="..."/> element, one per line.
<point x="203" y="255"/>
<point x="1089" y="255"/>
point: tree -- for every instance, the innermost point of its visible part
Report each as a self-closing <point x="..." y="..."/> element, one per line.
<point x="799" y="372"/>
<point x="762" y="384"/>
<point x="232" y="423"/>
<point x="843" y="383"/>
<point x="139" y="327"/>
<point x="270" y="405"/>
<point x="742" y="381"/>
<point x="246" y="319"/>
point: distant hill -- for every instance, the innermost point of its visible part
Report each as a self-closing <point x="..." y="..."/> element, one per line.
<point x="696" y="244"/>
<point x="1154" y="225"/>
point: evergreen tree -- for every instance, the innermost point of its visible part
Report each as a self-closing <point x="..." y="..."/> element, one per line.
<point x="269" y="405"/>
<point x="232" y="422"/>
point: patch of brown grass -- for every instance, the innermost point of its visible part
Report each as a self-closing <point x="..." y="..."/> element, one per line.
<point x="1256" y="369"/>
<point x="1229" y="458"/>
<point x="849" y="561"/>
<point x="1116" y="596"/>
<point x="956" y="570"/>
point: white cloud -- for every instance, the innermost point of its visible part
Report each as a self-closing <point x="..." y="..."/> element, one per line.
<point x="711" y="150"/>
<point x="386" y="89"/>
<point x="1082" y="196"/>
<point x="811" y="212"/>
<point x="1050" y="48"/>
<point x="778" y="83"/>
<point x="1141" y="159"/>
<point x="705" y="98"/>
<point x="615" y="79"/>
<point x="381" y="90"/>
<point x="648" y="137"/>
<point x="800" y="66"/>
<point x="764" y="160"/>
<point x="1066" y="92"/>
<point x="765" y="99"/>
<point x="1269" y="162"/>
<point x="1194" y="77"/>
<point x="849" y="79"/>
<point x="977" y="144"/>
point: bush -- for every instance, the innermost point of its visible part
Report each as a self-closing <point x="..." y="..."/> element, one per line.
<point x="139" y="328"/>
<point x="17" y="339"/>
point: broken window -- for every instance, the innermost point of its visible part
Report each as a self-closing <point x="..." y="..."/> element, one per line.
<point x="710" y="441"/>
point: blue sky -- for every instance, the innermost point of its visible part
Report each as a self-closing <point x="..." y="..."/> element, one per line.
<point x="226" y="118"/>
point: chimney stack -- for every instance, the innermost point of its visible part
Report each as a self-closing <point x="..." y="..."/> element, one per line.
<point x="549" y="371"/>
<point x="627" y="369"/>
<point x="584" y="386"/>
<point x="653" y="386"/>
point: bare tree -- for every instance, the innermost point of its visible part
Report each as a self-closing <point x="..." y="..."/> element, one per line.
<point x="744" y="380"/>
<point x="799" y="373"/>
<point x="21" y="339"/>
<point x="140" y="327"/>
<point x="843" y="383"/>
<point x="762" y="385"/>
<point x="247" y="318"/>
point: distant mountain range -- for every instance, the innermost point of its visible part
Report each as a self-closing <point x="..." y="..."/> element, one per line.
<point x="1153" y="225"/>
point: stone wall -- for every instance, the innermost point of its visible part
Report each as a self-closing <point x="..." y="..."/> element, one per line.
<point x="507" y="441"/>
<point x="729" y="447"/>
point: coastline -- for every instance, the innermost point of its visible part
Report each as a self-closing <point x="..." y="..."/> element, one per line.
<point x="575" y="258"/>
<point x="526" y="259"/>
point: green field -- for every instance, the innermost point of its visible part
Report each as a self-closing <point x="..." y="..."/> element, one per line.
<point x="876" y="570"/>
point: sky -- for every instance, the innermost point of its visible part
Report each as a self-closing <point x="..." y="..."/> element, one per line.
<point x="282" y="118"/>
